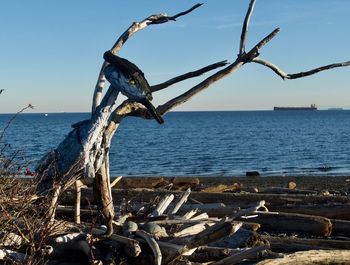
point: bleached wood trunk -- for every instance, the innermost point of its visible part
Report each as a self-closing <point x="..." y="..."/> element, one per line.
<point x="84" y="152"/>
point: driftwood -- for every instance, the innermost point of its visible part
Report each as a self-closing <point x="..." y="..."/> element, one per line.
<point x="340" y="211"/>
<point x="206" y="254"/>
<point x="312" y="257"/>
<point x="190" y="214"/>
<point x="244" y="254"/>
<point x="182" y="199"/>
<point x="340" y="227"/>
<point x="292" y="244"/>
<point x="294" y="223"/>
<point x="210" y="234"/>
<point x="185" y="181"/>
<point x="85" y="151"/>
<point x="163" y="205"/>
<point x="241" y="239"/>
<point x="132" y="246"/>
<point x="329" y="210"/>
<point x="153" y="245"/>
<point x="192" y="230"/>
<point x="115" y="181"/>
<point x="231" y="199"/>
<point x="202" y="216"/>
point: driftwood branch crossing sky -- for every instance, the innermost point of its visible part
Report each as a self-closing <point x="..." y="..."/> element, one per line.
<point x="51" y="51"/>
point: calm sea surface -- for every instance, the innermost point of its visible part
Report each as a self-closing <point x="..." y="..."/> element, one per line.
<point x="204" y="143"/>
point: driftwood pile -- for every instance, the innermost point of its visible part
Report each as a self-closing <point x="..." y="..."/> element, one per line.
<point x="180" y="222"/>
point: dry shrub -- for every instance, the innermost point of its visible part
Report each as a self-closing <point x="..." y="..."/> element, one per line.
<point x="24" y="225"/>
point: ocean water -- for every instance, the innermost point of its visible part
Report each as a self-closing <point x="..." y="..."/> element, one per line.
<point x="203" y="143"/>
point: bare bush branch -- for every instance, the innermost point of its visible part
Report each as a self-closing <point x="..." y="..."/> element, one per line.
<point x="30" y="106"/>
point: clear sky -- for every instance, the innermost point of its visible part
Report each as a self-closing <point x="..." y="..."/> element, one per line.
<point x="51" y="51"/>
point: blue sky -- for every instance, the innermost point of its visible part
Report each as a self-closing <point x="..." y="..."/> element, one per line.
<point x="51" y="51"/>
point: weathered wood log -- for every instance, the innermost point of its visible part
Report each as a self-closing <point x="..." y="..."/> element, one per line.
<point x="177" y="205"/>
<point x="115" y="181"/>
<point x="244" y="254"/>
<point x="153" y="245"/>
<point x="190" y="214"/>
<point x="162" y="205"/>
<point x="312" y="257"/>
<point x="206" y="254"/>
<point x="147" y="219"/>
<point x="192" y="230"/>
<point x="222" y="188"/>
<point x="185" y="240"/>
<point x="331" y="210"/>
<point x="210" y="234"/>
<point x="248" y="211"/>
<point x="168" y="248"/>
<point x="340" y="227"/>
<point x="294" y="223"/>
<point x="292" y="244"/>
<point x="232" y="199"/>
<point x="202" y="216"/>
<point x="212" y="209"/>
<point x="182" y="181"/>
<point x="336" y="211"/>
<point x="132" y="246"/>
<point x="241" y="239"/>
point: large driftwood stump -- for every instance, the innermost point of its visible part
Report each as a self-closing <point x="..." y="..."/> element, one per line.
<point x="85" y="151"/>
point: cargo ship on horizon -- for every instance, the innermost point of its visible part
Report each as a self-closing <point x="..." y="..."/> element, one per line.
<point x="312" y="107"/>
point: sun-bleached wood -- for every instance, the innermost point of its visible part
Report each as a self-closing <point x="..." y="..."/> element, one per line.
<point x="244" y="254"/>
<point x="153" y="245"/>
<point x="312" y="257"/>
<point x="245" y="26"/>
<point x="182" y="199"/>
<point x="135" y="27"/>
<point x="85" y="151"/>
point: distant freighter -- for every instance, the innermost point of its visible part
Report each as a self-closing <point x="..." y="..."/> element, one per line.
<point x="312" y="107"/>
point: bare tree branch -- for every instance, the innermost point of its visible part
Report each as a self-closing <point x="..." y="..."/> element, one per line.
<point x="162" y="109"/>
<point x="245" y="26"/>
<point x="188" y="75"/>
<point x="241" y="59"/>
<point x="284" y="75"/>
<point x="254" y="52"/>
<point x="270" y="65"/>
<point x="166" y="18"/>
<point x="135" y="27"/>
